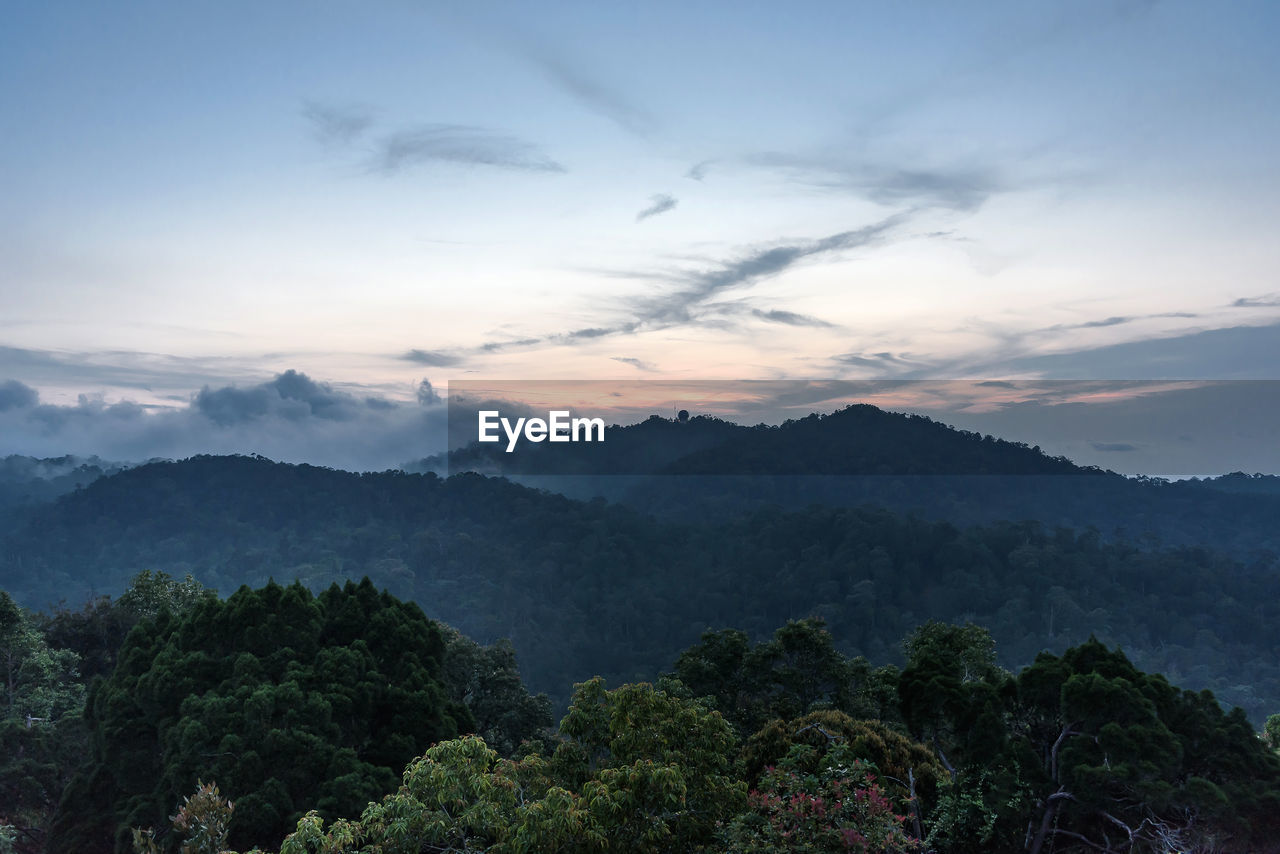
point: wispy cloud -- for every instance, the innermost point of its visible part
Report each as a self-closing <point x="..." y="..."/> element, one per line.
<point x="1264" y="301"/>
<point x="790" y="318"/>
<point x="336" y="124"/>
<point x="638" y="364"/>
<point x="692" y="301"/>
<point x="1113" y="447"/>
<point x="698" y="171"/>
<point x="882" y="362"/>
<point x="593" y="94"/>
<point x="697" y="287"/>
<point x="661" y="203"/>
<point x="432" y="358"/>
<point x="460" y="144"/>
<point x="960" y="188"/>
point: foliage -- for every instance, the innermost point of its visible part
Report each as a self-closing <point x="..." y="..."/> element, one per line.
<point x="1271" y="732"/>
<point x="638" y="770"/>
<point x="41" y="735"/>
<point x="290" y="700"/>
<point x="203" y="819"/>
<point x="909" y="771"/>
<point x="554" y="576"/>
<point x="486" y="680"/>
<point x="797" y="670"/>
<point x="837" y="807"/>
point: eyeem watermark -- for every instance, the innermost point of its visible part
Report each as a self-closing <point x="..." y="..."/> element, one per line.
<point x="559" y="426"/>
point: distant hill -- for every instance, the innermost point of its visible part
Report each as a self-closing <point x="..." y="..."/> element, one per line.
<point x="28" y="481"/>
<point x="585" y="588"/>
<point x="857" y="440"/>
<point x="1239" y="483"/>
<point x="708" y="468"/>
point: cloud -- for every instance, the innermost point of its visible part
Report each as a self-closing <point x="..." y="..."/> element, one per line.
<point x="16" y="395"/>
<point x="337" y="125"/>
<point x="499" y="346"/>
<point x="876" y="361"/>
<point x="592" y="94"/>
<point x="427" y="395"/>
<point x="633" y="362"/>
<point x="122" y="368"/>
<point x="698" y="171"/>
<point x="1264" y="301"/>
<point x="460" y="144"/>
<point x="790" y="318"/>
<point x="432" y="358"/>
<point x="1113" y="447"/>
<point x="290" y="395"/>
<point x="291" y="417"/>
<point x="1236" y="352"/>
<point x="700" y="286"/>
<point x="957" y="188"/>
<point x="690" y="302"/>
<point x="661" y="204"/>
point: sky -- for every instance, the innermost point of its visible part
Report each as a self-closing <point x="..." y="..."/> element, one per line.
<point x="285" y="228"/>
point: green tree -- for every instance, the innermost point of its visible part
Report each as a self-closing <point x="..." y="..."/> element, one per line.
<point x="834" y="804"/>
<point x="486" y="680"/>
<point x="291" y="701"/>
<point x="41" y="735"/>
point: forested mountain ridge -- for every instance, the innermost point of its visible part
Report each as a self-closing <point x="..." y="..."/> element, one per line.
<point x="706" y="468"/>
<point x="593" y="588"/>
<point x="29" y="481"/>
<point x="858" y="440"/>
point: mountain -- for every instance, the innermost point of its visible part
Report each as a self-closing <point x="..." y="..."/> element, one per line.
<point x="28" y="481"/>
<point x="708" y="468"/>
<point x="585" y="588"/>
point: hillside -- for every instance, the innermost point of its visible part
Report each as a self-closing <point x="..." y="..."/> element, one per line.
<point x="592" y="588"/>
<point x="711" y="469"/>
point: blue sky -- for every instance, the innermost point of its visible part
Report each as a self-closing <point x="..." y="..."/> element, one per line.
<point x="207" y="195"/>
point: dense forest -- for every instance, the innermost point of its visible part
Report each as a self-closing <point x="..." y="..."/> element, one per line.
<point x="900" y="637"/>
<point x="554" y="576"/>
<point x="281" y="720"/>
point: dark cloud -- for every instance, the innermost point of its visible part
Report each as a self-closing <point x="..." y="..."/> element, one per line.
<point x="337" y="125"/>
<point x="633" y="362"/>
<point x="432" y="358"/>
<point x="1113" y="447"/>
<point x="1264" y="301"/>
<point x="291" y="395"/>
<point x="15" y="395"/>
<point x="661" y="203"/>
<point x="460" y="144"/>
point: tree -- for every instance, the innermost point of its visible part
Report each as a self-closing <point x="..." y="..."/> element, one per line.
<point x="289" y="700"/>
<point x="486" y="680"/>
<point x="836" y="806"/>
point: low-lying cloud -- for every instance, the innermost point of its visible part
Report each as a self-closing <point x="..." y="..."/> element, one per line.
<point x="292" y="417"/>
